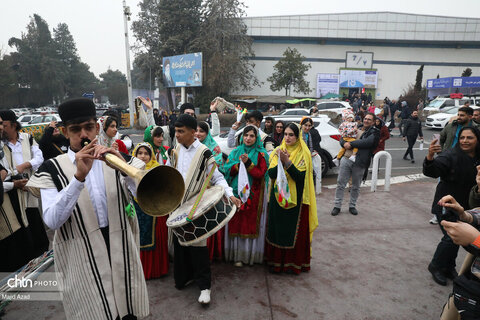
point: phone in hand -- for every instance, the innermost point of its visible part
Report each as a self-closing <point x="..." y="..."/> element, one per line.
<point x="436" y="136"/>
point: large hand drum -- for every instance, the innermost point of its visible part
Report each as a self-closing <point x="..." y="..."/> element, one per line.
<point x="212" y="213"/>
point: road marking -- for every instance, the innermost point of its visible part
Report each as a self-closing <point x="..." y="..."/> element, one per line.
<point x="393" y="180"/>
<point x="403" y="149"/>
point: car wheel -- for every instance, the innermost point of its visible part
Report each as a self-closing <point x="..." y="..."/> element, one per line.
<point x="325" y="165"/>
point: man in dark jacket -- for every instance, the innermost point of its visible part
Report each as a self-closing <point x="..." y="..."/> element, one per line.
<point x="404" y="115"/>
<point x="449" y="134"/>
<point x="53" y="143"/>
<point x="412" y="129"/>
<point x="366" y="144"/>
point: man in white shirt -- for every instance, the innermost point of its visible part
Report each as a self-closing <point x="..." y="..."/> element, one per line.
<point x="22" y="158"/>
<point x="192" y="262"/>
<point x="86" y="202"/>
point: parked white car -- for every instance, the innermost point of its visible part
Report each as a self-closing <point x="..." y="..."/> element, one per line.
<point x="438" y="104"/>
<point x="25" y="119"/>
<point x="44" y="119"/>
<point x="330" y="138"/>
<point x="295" y="112"/>
<point x="440" y="120"/>
<point x="334" y="106"/>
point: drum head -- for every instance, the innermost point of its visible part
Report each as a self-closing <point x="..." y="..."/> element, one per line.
<point x="208" y="201"/>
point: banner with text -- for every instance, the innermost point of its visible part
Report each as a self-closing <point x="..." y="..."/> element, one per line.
<point x="358" y="78"/>
<point x="326" y="83"/>
<point x="183" y="71"/>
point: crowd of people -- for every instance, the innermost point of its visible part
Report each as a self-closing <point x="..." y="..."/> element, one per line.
<point x="106" y="246"/>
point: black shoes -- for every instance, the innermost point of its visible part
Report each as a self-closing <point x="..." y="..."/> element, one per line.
<point x="353" y="211"/>
<point x="335" y="211"/>
<point x="437" y="275"/>
<point x="413" y="160"/>
<point x="405" y="158"/>
<point x="451" y="274"/>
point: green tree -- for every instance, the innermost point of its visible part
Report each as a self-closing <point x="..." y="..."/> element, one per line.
<point x="143" y="72"/>
<point x="114" y="85"/>
<point x="37" y="58"/>
<point x="167" y="27"/>
<point x="77" y="78"/>
<point x="467" y="72"/>
<point x="9" y="89"/>
<point x="226" y="47"/>
<point x="419" y="79"/>
<point x="290" y="71"/>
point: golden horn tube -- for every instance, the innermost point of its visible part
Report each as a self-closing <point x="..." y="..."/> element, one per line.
<point x="159" y="190"/>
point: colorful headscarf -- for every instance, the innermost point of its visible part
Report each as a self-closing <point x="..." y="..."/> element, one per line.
<point x="302" y="160"/>
<point x="213" y="147"/>
<point x="153" y="161"/>
<point x="147" y="137"/>
<point x="252" y="152"/>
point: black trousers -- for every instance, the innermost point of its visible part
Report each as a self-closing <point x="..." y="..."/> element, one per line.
<point x="411" y="142"/>
<point x="446" y="252"/>
<point x="191" y="263"/>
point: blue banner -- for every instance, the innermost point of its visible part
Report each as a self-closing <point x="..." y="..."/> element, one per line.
<point x="454" y="82"/>
<point x="183" y="71"/>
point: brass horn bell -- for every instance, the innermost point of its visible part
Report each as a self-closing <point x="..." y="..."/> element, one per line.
<point x="159" y="190"/>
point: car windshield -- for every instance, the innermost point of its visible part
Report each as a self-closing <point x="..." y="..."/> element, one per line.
<point x="435" y="103"/>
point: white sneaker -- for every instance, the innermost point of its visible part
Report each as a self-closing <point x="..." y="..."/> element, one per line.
<point x="336" y="162"/>
<point x="238" y="264"/>
<point x="434" y="220"/>
<point x="204" y="296"/>
<point x="352" y="158"/>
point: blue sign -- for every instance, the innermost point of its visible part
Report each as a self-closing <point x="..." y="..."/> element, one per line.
<point x="183" y="71"/>
<point x="454" y="82"/>
<point x="88" y="95"/>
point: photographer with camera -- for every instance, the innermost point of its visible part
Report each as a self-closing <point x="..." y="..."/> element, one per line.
<point x="463" y="228"/>
<point x="456" y="168"/>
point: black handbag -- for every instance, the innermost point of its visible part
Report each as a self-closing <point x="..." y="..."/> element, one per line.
<point x="466" y="296"/>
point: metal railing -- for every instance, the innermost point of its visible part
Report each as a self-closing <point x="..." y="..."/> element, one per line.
<point x="388" y="170"/>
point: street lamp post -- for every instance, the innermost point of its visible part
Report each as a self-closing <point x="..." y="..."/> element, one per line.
<point x="126" y="18"/>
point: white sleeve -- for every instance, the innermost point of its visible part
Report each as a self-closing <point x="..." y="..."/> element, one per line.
<point x="58" y="206"/>
<point x="7" y="186"/>
<point x="231" y="138"/>
<point x="219" y="180"/>
<point x="37" y="158"/>
<point x="150" y="118"/>
<point x="215" y="124"/>
<point x="131" y="185"/>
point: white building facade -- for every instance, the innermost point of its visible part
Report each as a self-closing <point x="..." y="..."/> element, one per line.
<point x="398" y="44"/>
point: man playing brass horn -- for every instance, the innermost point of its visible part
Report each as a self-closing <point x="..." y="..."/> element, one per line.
<point x="96" y="245"/>
<point x="194" y="161"/>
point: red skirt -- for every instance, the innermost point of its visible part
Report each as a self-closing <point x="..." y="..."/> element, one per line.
<point x="155" y="262"/>
<point x="294" y="260"/>
<point x="215" y="245"/>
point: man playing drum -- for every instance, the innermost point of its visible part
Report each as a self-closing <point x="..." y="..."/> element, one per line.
<point x="194" y="161"/>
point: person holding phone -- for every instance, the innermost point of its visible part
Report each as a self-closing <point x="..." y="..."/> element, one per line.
<point x="53" y="143"/>
<point x="457" y="171"/>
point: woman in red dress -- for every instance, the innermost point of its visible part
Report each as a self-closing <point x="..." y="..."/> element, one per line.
<point x="245" y="233"/>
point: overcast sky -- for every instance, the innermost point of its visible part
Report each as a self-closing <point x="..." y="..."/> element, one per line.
<point x="97" y="25"/>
